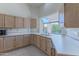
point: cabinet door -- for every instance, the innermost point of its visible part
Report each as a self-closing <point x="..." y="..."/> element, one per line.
<point x="33" y="23"/>
<point x="49" y="46"/>
<point x="35" y="40"/>
<point x="19" y="22"/>
<point x="38" y="41"/>
<point x="53" y="52"/>
<point x="71" y="20"/>
<point x="9" y="21"/>
<point x="1" y="20"/>
<point x="1" y="44"/>
<point x="26" y="40"/>
<point x="19" y="41"/>
<point x="9" y="43"/>
<point x="43" y="44"/>
<point x="26" y="23"/>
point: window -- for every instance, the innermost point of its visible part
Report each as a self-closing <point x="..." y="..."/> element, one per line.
<point x="51" y="27"/>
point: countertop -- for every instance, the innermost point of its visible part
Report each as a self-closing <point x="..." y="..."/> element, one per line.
<point x="64" y="44"/>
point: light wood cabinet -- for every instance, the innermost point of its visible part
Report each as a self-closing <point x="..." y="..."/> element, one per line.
<point x="53" y="51"/>
<point x="9" y="43"/>
<point x="33" y="23"/>
<point x="35" y="40"/>
<point x="19" y="22"/>
<point x="19" y="41"/>
<point x="31" y="38"/>
<point x="1" y="20"/>
<point x="1" y="44"/>
<point x="38" y="41"/>
<point x="26" y="40"/>
<point x="26" y="23"/>
<point x="71" y="15"/>
<point x="43" y="44"/>
<point x="9" y="21"/>
<point x="49" y="46"/>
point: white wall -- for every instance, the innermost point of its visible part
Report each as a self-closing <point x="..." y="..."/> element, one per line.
<point x="16" y="9"/>
<point x="34" y="12"/>
<point x="50" y="8"/>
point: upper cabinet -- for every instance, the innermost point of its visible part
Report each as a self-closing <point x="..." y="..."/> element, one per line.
<point x="71" y="15"/>
<point x="19" y="22"/>
<point x="33" y="23"/>
<point x="26" y="22"/>
<point x="1" y="20"/>
<point x="9" y="21"/>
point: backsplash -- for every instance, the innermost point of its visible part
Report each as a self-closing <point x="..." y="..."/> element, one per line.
<point x="18" y="31"/>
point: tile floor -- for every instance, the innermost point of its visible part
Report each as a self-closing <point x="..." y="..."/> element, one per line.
<point x="26" y="51"/>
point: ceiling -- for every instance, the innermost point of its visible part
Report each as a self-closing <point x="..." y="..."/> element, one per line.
<point x="35" y="4"/>
<point x="44" y="9"/>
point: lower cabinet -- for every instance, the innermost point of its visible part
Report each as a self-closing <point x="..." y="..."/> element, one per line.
<point x="9" y="43"/>
<point x="49" y="46"/>
<point x="19" y="41"/>
<point x="1" y="44"/>
<point x="35" y="40"/>
<point x="31" y="38"/>
<point x="38" y="41"/>
<point x="53" y="52"/>
<point x="12" y="42"/>
<point x="26" y="40"/>
<point x="43" y="44"/>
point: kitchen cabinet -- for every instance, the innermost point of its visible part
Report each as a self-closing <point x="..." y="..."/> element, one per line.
<point x="26" y="40"/>
<point x="33" y="23"/>
<point x="26" y="23"/>
<point x="1" y="20"/>
<point x="1" y="44"/>
<point x="9" y="43"/>
<point x="53" y="52"/>
<point x="31" y="38"/>
<point x="35" y="40"/>
<point x="49" y="46"/>
<point x="9" y="21"/>
<point x="19" y="22"/>
<point x="43" y="44"/>
<point x="71" y="15"/>
<point x="38" y="41"/>
<point x="19" y="41"/>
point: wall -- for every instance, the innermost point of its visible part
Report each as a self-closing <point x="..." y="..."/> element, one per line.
<point x="18" y="31"/>
<point x="50" y="8"/>
<point x="16" y="9"/>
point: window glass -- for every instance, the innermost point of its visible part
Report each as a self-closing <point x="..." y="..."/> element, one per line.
<point x="51" y="27"/>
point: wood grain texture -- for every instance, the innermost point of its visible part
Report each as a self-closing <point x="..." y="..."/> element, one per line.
<point x="9" y="21"/>
<point x="33" y="23"/>
<point x="1" y="44"/>
<point x="1" y="20"/>
<point x="26" y="23"/>
<point x="71" y="15"/>
<point x="26" y="40"/>
<point x="19" y="41"/>
<point x="9" y="43"/>
<point x="19" y="22"/>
